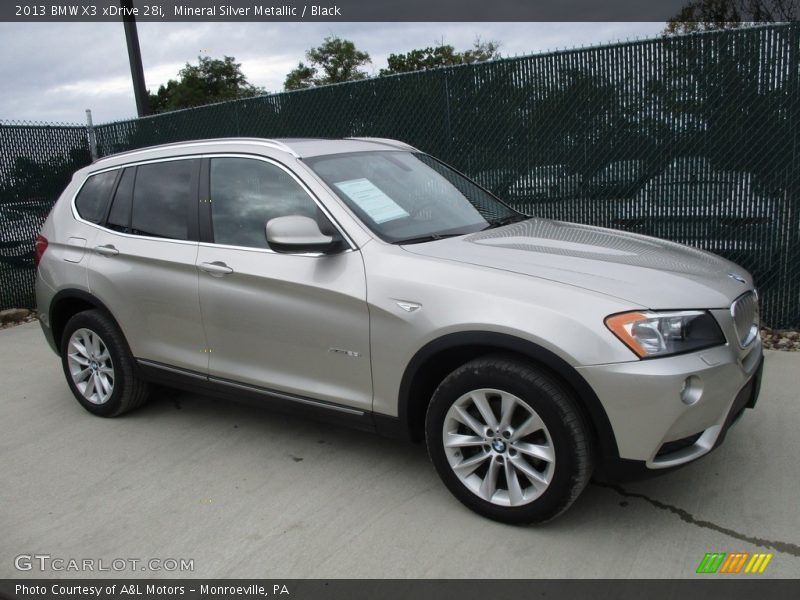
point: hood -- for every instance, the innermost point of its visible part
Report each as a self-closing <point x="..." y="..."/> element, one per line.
<point x="649" y="272"/>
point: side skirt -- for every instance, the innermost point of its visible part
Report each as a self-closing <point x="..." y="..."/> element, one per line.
<point x="202" y="384"/>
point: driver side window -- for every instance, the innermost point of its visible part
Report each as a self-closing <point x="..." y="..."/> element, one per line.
<point x="246" y="193"/>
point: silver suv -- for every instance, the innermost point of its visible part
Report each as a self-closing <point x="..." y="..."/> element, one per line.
<point x="365" y="281"/>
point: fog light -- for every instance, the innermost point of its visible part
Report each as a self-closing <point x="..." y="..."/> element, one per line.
<point x="692" y="390"/>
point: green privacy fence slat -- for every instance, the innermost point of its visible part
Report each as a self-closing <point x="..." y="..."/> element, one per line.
<point x="36" y="163"/>
<point x="692" y="139"/>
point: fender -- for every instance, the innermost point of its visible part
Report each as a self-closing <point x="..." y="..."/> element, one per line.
<point x="73" y="294"/>
<point x="498" y="341"/>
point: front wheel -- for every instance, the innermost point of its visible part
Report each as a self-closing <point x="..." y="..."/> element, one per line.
<point x="508" y="440"/>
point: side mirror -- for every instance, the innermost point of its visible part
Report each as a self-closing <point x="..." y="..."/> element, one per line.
<point x="295" y="234"/>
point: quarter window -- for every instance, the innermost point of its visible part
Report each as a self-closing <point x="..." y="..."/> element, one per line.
<point x="93" y="198"/>
<point x="246" y="193"/>
<point x="161" y="198"/>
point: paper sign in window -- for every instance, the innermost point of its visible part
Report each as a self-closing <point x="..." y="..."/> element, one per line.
<point x="378" y="206"/>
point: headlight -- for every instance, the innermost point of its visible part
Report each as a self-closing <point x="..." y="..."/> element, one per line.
<point x="651" y="334"/>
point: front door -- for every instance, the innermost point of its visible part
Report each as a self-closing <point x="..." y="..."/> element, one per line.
<point x="293" y="323"/>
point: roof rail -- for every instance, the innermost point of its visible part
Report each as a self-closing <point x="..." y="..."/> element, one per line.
<point x="385" y="142"/>
<point x="207" y="142"/>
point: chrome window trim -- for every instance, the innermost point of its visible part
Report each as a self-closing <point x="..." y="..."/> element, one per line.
<point x="80" y="219"/>
<point x="302" y="184"/>
<point x="269" y="250"/>
<point x="74" y="202"/>
<point x="352" y="245"/>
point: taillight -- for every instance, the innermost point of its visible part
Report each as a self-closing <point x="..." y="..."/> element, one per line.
<point x="39" y="246"/>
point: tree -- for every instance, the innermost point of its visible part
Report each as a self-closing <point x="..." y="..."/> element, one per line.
<point x="705" y="15"/>
<point x="42" y="181"/>
<point x="211" y="80"/>
<point x="336" y="59"/>
<point x="440" y="56"/>
<point x="300" y="78"/>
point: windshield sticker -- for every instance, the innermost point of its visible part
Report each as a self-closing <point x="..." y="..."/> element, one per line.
<point x="378" y="206"/>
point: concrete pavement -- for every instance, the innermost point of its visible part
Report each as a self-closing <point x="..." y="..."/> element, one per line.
<point x="246" y="492"/>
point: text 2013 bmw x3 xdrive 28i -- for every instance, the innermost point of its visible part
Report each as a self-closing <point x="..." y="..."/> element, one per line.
<point x="365" y="280"/>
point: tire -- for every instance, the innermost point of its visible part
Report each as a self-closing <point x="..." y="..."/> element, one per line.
<point x="545" y="444"/>
<point x="92" y="343"/>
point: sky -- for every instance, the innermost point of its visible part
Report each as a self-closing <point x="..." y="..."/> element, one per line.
<point x="53" y="72"/>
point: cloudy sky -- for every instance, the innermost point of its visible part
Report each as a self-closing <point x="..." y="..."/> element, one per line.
<point x="54" y="71"/>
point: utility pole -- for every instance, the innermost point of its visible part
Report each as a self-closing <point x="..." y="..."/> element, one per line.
<point x="135" y="58"/>
<point x="92" y="136"/>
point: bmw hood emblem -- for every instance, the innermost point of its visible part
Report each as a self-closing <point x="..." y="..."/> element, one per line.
<point x="738" y="278"/>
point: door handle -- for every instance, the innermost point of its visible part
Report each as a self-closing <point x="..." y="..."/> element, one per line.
<point x="216" y="268"/>
<point x="107" y="250"/>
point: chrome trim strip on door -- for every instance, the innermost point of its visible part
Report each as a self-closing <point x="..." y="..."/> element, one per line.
<point x="285" y="396"/>
<point x="251" y="388"/>
<point x="177" y="370"/>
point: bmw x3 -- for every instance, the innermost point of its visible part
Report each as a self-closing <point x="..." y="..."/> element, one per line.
<point x="367" y="282"/>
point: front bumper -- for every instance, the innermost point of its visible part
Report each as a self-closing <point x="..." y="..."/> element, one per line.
<point x="652" y="424"/>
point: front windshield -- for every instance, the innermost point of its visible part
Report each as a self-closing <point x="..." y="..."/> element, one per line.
<point x="407" y="197"/>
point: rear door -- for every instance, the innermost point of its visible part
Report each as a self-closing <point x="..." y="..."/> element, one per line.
<point x="143" y="263"/>
<point x="293" y="323"/>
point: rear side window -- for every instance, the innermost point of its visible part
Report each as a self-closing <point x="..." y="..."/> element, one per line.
<point x="246" y="193"/>
<point x="92" y="200"/>
<point x="161" y="197"/>
<point x="119" y="218"/>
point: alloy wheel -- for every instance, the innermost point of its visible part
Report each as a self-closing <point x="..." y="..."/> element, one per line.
<point x="498" y="447"/>
<point x="90" y="366"/>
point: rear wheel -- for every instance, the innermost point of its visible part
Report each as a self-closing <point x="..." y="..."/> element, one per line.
<point x="99" y="367"/>
<point x="508" y="440"/>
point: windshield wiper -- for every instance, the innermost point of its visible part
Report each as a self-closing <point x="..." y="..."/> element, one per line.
<point x="507" y="221"/>
<point x="428" y="238"/>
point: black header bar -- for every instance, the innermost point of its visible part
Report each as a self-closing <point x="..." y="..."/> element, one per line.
<point x="341" y="10"/>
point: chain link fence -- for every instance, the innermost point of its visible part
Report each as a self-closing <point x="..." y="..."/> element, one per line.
<point x="691" y="138"/>
<point x="36" y="163"/>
